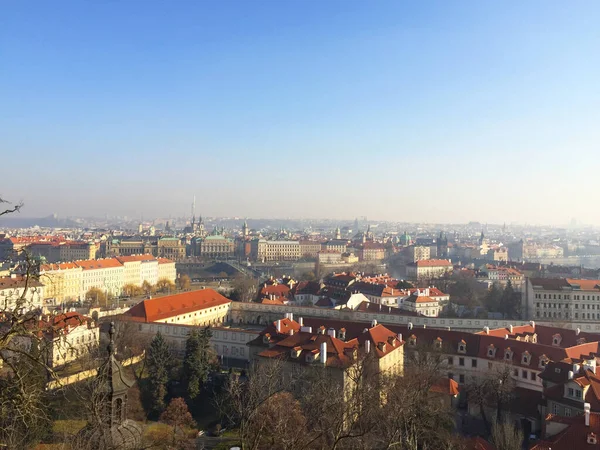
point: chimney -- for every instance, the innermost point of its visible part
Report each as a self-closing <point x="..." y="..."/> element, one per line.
<point x="323" y="353"/>
<point x="331" y="332"/>
<point x="306" y="329"/>
<point x="506" y="337"/>
<point x="291" y="332"/>
<point x="487" y="330"/>
<point x="367" y="346"/>
<point x="291" y="316"/>
<point x="576" y="368"/>
<point x="532" y="323"/>
<point x="400" y="337"/>
<point x="301" y="321"/>
<point x="586" y="409"/>
<point x="570" y="375"/>
<point x="577" y="331"/>
<point x="278" y="326"/>
<point x="373" y="323"/>
<point x="510" y="328"/>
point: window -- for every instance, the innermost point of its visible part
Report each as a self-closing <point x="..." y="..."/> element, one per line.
<point x="532" y="376"/>
<point x="461" y="361"/>
<point x="524" y="374"/>
<point x="577" y="393"/>
<point x="474" y="363"/>
<point x="450" y="360"/>
<point x="516" y="372"/>
<point x="555" y="409"/>
<point x="571" y="392"/>
<point x="461" y="378"/>
<point x="567" y="412"/>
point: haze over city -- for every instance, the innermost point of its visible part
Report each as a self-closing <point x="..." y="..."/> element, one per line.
<point x="423" y="112"/>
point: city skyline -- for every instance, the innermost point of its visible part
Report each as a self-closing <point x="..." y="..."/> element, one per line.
<point x="441" y="113"/>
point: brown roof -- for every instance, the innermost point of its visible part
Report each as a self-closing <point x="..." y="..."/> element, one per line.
<point x="173" y="305"/>
<point x="18" y="282"/>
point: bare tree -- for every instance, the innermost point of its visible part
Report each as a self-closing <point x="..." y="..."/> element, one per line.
<point x="505" y="436"/>
<point x="414" y="417"/>
<point x="244" y="288"/>
<point x="492" y="392"/>
<point x="9" y="207"/>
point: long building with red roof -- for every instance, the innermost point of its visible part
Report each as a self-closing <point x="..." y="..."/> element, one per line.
<point x="203" y="307"/>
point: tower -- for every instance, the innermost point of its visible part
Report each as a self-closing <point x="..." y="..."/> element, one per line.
<point x="442" y="245"/>
<point x="110" y="428"/>
<point x="338" y="233"/>
<point x="481" y="238"/>
<point x="245" y="230"/>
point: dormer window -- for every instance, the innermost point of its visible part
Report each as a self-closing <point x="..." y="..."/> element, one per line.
<point x="412" y="340"/>
<point x="556" y="339"/>
<point x="491" y="351"/>
<point x="266" y="338"/>
<point x="526" y="358"/>
<point x="462" y="347"/>
<point x="592" y="439"/>
<point x="534" y="338"/>
<point x="296" y="352"/>
<point x="438" y="343"/>
<point x="580" y="341"/>
<point x="381" y="346"/>
<point x="508" y="354"/>
<point x="543" y="361"/>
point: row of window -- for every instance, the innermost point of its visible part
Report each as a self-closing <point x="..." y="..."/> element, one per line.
<point x="567" y="296"/>
<point x="560" y="305"/>
<point x="590" y="316"/>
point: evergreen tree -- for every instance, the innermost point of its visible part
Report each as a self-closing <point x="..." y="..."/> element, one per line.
<point x="511" y="302"/>
<point x="493" y="299"/>
<point x="196" y="364"/>
<point x="158" y="362"/>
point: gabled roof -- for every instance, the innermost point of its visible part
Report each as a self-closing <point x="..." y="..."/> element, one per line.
<point x="173" y="305"/>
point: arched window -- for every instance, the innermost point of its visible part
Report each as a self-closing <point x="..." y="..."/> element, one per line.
<point x="119" y="410"/>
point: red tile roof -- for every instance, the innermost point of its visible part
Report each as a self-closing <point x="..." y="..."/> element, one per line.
<point x="574" y="437"/>
<point x="173" y="305"/>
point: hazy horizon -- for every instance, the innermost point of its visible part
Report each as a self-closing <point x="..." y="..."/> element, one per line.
<point x="444" y="112"/>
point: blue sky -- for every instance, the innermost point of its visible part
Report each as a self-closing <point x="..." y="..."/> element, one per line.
<point x="416" y="111"/>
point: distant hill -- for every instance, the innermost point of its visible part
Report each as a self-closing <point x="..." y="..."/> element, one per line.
<point x="15" y="221"/>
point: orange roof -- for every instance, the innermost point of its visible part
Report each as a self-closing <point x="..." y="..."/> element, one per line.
<point x="92" y="264"/>
<point x="174" y="305"/>
<point x="445" y="386"/>
<point x="585" y="285"/>
<point x="165" y="261"/>
<point x="433" y="263"/>
<point x="58" y="266"/>
<point x="134" y="258"/>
